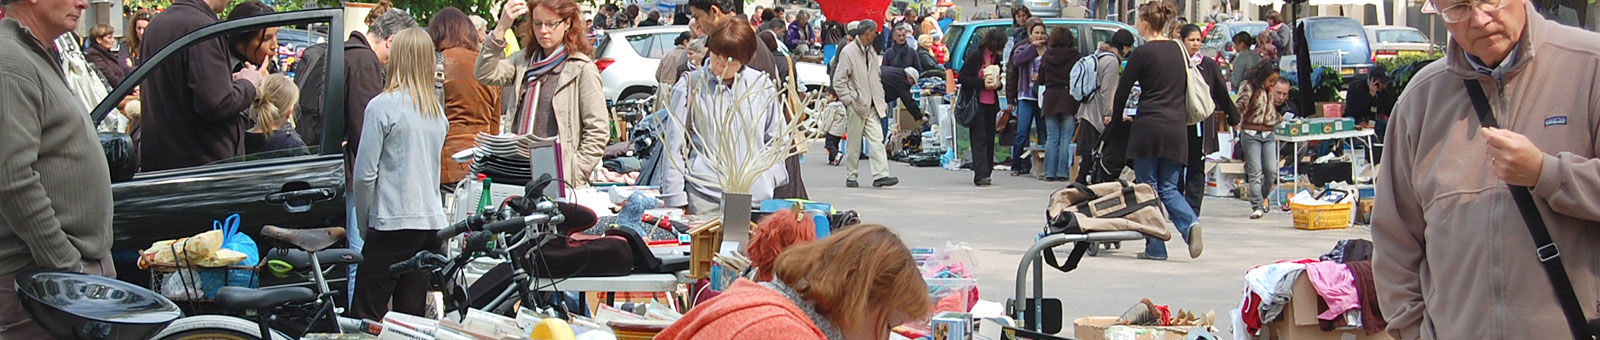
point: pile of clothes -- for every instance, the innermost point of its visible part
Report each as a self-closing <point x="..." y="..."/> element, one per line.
<point x="1346" y="296"/>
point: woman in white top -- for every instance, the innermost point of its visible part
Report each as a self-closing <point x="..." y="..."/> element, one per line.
<point x="397" y="179"/>
<point x="733" y="88"/>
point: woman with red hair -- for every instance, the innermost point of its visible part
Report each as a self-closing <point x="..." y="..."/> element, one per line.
<point x="550" y="87"/>
<point x="854" y="284"/>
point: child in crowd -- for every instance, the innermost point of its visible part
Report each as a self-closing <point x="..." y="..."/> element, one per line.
<point x="833" y="120"/>
<point x="274" y="105"/>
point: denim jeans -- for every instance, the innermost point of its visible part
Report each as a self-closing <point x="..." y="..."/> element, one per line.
<point x="1058" y="145"/>
<point x="1025" y="111"/>
<point x="1164" y="175"/>
<point x="1260" y="166"/>
<point x="354" y="241"/>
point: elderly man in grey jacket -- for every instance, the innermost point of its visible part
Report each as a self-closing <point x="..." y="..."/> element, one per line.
<point x="55" y="188"/>
<point x="856" y="80"/>
<point x="1453" y="257"/>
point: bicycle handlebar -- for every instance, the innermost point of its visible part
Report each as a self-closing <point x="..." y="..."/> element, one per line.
<point x="423" y="259"/>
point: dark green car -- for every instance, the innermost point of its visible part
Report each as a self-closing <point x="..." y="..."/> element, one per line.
<point x="293" y="190"/>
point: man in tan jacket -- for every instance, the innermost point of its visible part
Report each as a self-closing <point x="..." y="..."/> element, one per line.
<point x="857" y="80"/>
<point x="1453" y="257"/>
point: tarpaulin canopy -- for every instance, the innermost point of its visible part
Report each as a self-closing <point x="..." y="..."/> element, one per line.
<point x="845" y="11"/>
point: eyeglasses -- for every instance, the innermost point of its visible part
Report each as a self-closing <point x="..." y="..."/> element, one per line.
<point x="1461" y="11"/>
<point x="537" y="24"/>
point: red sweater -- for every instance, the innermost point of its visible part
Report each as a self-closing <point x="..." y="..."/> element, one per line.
<point x="745" y="311"/>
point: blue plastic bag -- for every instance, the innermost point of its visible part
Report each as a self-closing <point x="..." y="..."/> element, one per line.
<point x="234" y="240"/>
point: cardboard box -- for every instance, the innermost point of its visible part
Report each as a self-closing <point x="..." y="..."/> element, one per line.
<point x="1364" y="210"/>
<point x="1095" y="327"/>
<point x="1222" y="177"/>
<point x="1299" y="320"/>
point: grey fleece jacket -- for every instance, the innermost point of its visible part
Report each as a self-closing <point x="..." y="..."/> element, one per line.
<point x="1452" y="256"/>
<point x="55" y="187"/>
<point x="397" y="168"/>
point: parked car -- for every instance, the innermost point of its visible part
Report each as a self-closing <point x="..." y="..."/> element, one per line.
<point x="1219" y="41"/>
<point x="1393" y="41"/>
<point x="283" y="189"/>
<point x="628" y="59"/>
<point x="1337" y="42"/>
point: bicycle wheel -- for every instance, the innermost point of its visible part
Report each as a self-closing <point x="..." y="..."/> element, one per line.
<point x="214" y="327"/>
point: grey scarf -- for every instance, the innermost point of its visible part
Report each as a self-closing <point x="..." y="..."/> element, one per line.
<point x="828" y="328"/>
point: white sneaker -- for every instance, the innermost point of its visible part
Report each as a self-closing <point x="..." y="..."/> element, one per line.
<point x="1256" y="214"/>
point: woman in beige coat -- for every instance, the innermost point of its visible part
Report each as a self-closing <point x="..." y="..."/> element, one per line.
<point x="552" y="87"/>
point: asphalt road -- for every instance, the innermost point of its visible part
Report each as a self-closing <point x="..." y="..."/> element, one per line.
<point x="933" y="206"/>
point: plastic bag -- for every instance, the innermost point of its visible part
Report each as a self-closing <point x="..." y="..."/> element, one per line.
<point x="238" y="242"/>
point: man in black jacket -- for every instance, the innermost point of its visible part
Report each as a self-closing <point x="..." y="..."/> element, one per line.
<point x="191" y="112"/>
<point x="900" y="54"/>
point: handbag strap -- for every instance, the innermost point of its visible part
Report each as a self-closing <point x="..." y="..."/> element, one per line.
<point x="1549" y="254"/>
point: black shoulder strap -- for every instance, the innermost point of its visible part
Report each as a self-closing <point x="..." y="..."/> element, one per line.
<point x="1548" y="254"/>
<point x="1067" y="223"/>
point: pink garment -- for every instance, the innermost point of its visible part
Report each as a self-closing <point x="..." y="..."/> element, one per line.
<point x="1334" y="283"/>
<point x="987" y="96"/>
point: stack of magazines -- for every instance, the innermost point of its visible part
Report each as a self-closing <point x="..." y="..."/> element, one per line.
<point x="505" y="158"/>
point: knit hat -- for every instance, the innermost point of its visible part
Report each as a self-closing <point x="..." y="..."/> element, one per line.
<point x="1123" y="38"/>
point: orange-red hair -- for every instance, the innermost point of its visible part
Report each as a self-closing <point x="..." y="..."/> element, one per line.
<point x="577" y="37"/>
<point x="774" y="234"/>
<point x="851" y="275"/>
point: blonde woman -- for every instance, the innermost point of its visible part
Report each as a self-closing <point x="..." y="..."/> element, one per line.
<point x="275" y="101"/>
<point x="551" y="88"/>
<point x="397" y="179"/>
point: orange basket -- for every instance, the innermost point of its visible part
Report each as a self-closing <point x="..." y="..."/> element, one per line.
<point x="1320" y="217"/>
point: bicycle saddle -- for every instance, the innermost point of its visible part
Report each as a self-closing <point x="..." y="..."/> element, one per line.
<point x="301" y="260"/>
<point x="315" y="239"/>
<point x="241" y="298"/>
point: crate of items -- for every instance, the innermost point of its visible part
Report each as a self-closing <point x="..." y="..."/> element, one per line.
<point x="1319" y="217"/>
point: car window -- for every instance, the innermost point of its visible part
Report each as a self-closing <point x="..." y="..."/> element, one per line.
<point x="642" y="43"/>
<point x="286" y="52"/>
<point x="952" y="35"/>
<point x="664" y="44"/>
<point x="1335" y="29"/>
<point x="1401" y="36"/>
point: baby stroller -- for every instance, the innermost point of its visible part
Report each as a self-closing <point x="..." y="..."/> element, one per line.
<point x="1085" y="216"/>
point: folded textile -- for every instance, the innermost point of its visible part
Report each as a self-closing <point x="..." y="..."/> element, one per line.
<point x="1349" y="251"/>
<point x="1274" y="283"/>
<point x="622" y="164"/>
<point x="1372" y="321"/>
<point x="1334" y="284"/>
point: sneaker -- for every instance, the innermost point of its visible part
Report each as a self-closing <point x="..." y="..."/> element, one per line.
<point x="885" y="182"/>
<point x="1256" y="214"/>
<point x="1196" y="245"/>
<point x="1143" y="256"/>
<point x="983" y="182"/>
<point x="850" y="183"/>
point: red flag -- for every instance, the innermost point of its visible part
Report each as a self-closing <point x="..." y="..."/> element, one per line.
<point x="845" y="11"/>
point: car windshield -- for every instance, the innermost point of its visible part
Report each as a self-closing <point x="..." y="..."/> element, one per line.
<point x="1334" y="29"/>
<point x="1401" y="36"/>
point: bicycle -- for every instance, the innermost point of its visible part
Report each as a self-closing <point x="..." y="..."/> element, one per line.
<point x="486" y="239"/>
<point x="54" y="300"/>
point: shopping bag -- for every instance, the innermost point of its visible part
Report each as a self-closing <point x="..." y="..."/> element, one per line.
<point x="237" y="241"/>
